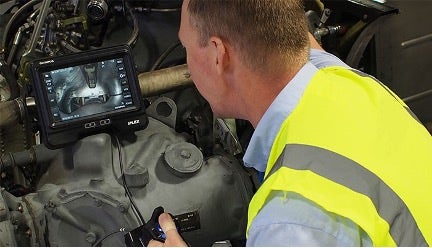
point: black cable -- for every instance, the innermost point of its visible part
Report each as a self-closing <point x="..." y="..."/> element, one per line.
<point x="135" y="31"/>
<point x="125" y="186"/>
<point x="119" y="180"/>
<point x="124" y="183"/>
<point x="164" y="55"/>
<point x="134" y="211"/>
<point x="107" y="236"/>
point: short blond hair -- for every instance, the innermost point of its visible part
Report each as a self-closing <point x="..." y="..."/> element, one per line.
<point x="270" y="34"/>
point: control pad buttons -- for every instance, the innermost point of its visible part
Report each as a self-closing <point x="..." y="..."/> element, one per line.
<point x="90" y="124"/>
<point x="99" y="123"/>
<point x="104" y="122"/>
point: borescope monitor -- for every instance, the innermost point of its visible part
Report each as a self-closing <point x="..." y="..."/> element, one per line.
<point x="85" y="93"/>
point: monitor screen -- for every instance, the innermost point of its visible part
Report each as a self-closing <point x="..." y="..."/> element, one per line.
<point x="89" y="89"/>
<point x="85" y="93"/>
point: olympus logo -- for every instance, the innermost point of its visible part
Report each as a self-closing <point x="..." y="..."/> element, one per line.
<point x="133" y="122"/>
<point x="46" y="62"/>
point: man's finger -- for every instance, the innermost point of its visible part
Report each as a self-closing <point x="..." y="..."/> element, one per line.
<point x="168" y="226"/>
<point x="167" y="223"/>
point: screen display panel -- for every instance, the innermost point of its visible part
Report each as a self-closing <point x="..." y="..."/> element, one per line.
<point x="86" y="93"/>
<point x="86" y="90"/>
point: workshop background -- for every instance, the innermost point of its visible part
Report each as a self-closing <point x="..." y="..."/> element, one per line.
<point x="185" y="160"/>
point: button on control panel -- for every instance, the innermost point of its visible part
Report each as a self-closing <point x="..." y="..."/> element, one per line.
<point x="104" y="122"/>
<point x="99" y="123"/>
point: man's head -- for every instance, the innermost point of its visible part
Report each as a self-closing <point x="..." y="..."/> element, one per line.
<point x="227" y="40"/>
<point x="269" y="33"/>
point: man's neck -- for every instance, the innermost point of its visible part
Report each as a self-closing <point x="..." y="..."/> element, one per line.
<point x="261" y="90"/>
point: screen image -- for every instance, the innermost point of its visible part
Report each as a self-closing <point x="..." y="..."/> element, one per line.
<point x="85" y="90"/>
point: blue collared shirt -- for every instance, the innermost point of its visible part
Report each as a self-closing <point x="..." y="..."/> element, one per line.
<point x="258" y="151"/>
<point x="288" y="219"/>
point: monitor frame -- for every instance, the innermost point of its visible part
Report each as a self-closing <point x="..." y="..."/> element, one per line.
<point x="123" y="111"/>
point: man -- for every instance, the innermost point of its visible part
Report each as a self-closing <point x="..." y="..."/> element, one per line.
<point x="346" y="162"/>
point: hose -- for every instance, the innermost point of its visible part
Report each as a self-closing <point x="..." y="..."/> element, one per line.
<point x="10" y="113"/>
<point x="164" y="55"/>
<point x="37" y="154"/>
<point x="19" y="14"/>
<point x="6" y="72"/>
<point x="135" y="32"/>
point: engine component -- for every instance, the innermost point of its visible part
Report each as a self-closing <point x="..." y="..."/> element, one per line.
<point x="183" y="159"/>
<point x="97" y="10"/>
<point x="162" y="81"/>
<point x="80" y="200"/>
<point x="6" y="220"/>
<point x="93" y="192"/>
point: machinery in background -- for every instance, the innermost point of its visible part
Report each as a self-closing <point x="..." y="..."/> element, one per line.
<point x="99" y="179"/>
<point x="92" y="191"/>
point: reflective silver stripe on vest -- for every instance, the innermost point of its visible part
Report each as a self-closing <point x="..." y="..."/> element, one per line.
<point x="344" y="171"/>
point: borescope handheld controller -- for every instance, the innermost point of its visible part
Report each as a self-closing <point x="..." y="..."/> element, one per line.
<point x="142" y="235"/>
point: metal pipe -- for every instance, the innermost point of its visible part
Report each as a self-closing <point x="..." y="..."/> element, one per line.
<point x="11" y="82"/>
<point x="37" y="154"/>
<point x="164" y="80"/>
<point x="418" y="96"/>
<point x="10" y="112"/>
<point x="14" y="18"/>
<point x="416" y="41"/>
<point x="44" y="9"/>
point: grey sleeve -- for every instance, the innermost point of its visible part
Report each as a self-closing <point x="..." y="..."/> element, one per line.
<point x="288" y="219"/>
<point x="321" y="59"/>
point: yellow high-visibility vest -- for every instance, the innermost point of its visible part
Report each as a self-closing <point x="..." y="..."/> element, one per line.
<point x="355" y="149"/>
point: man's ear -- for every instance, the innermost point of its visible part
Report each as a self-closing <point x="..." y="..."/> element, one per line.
<point x="220" y="53"/>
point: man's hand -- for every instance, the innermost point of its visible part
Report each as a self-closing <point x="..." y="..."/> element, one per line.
<point x="168" y="226"/>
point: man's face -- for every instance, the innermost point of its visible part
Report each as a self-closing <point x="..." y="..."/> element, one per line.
<point x="201" y="63"/>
